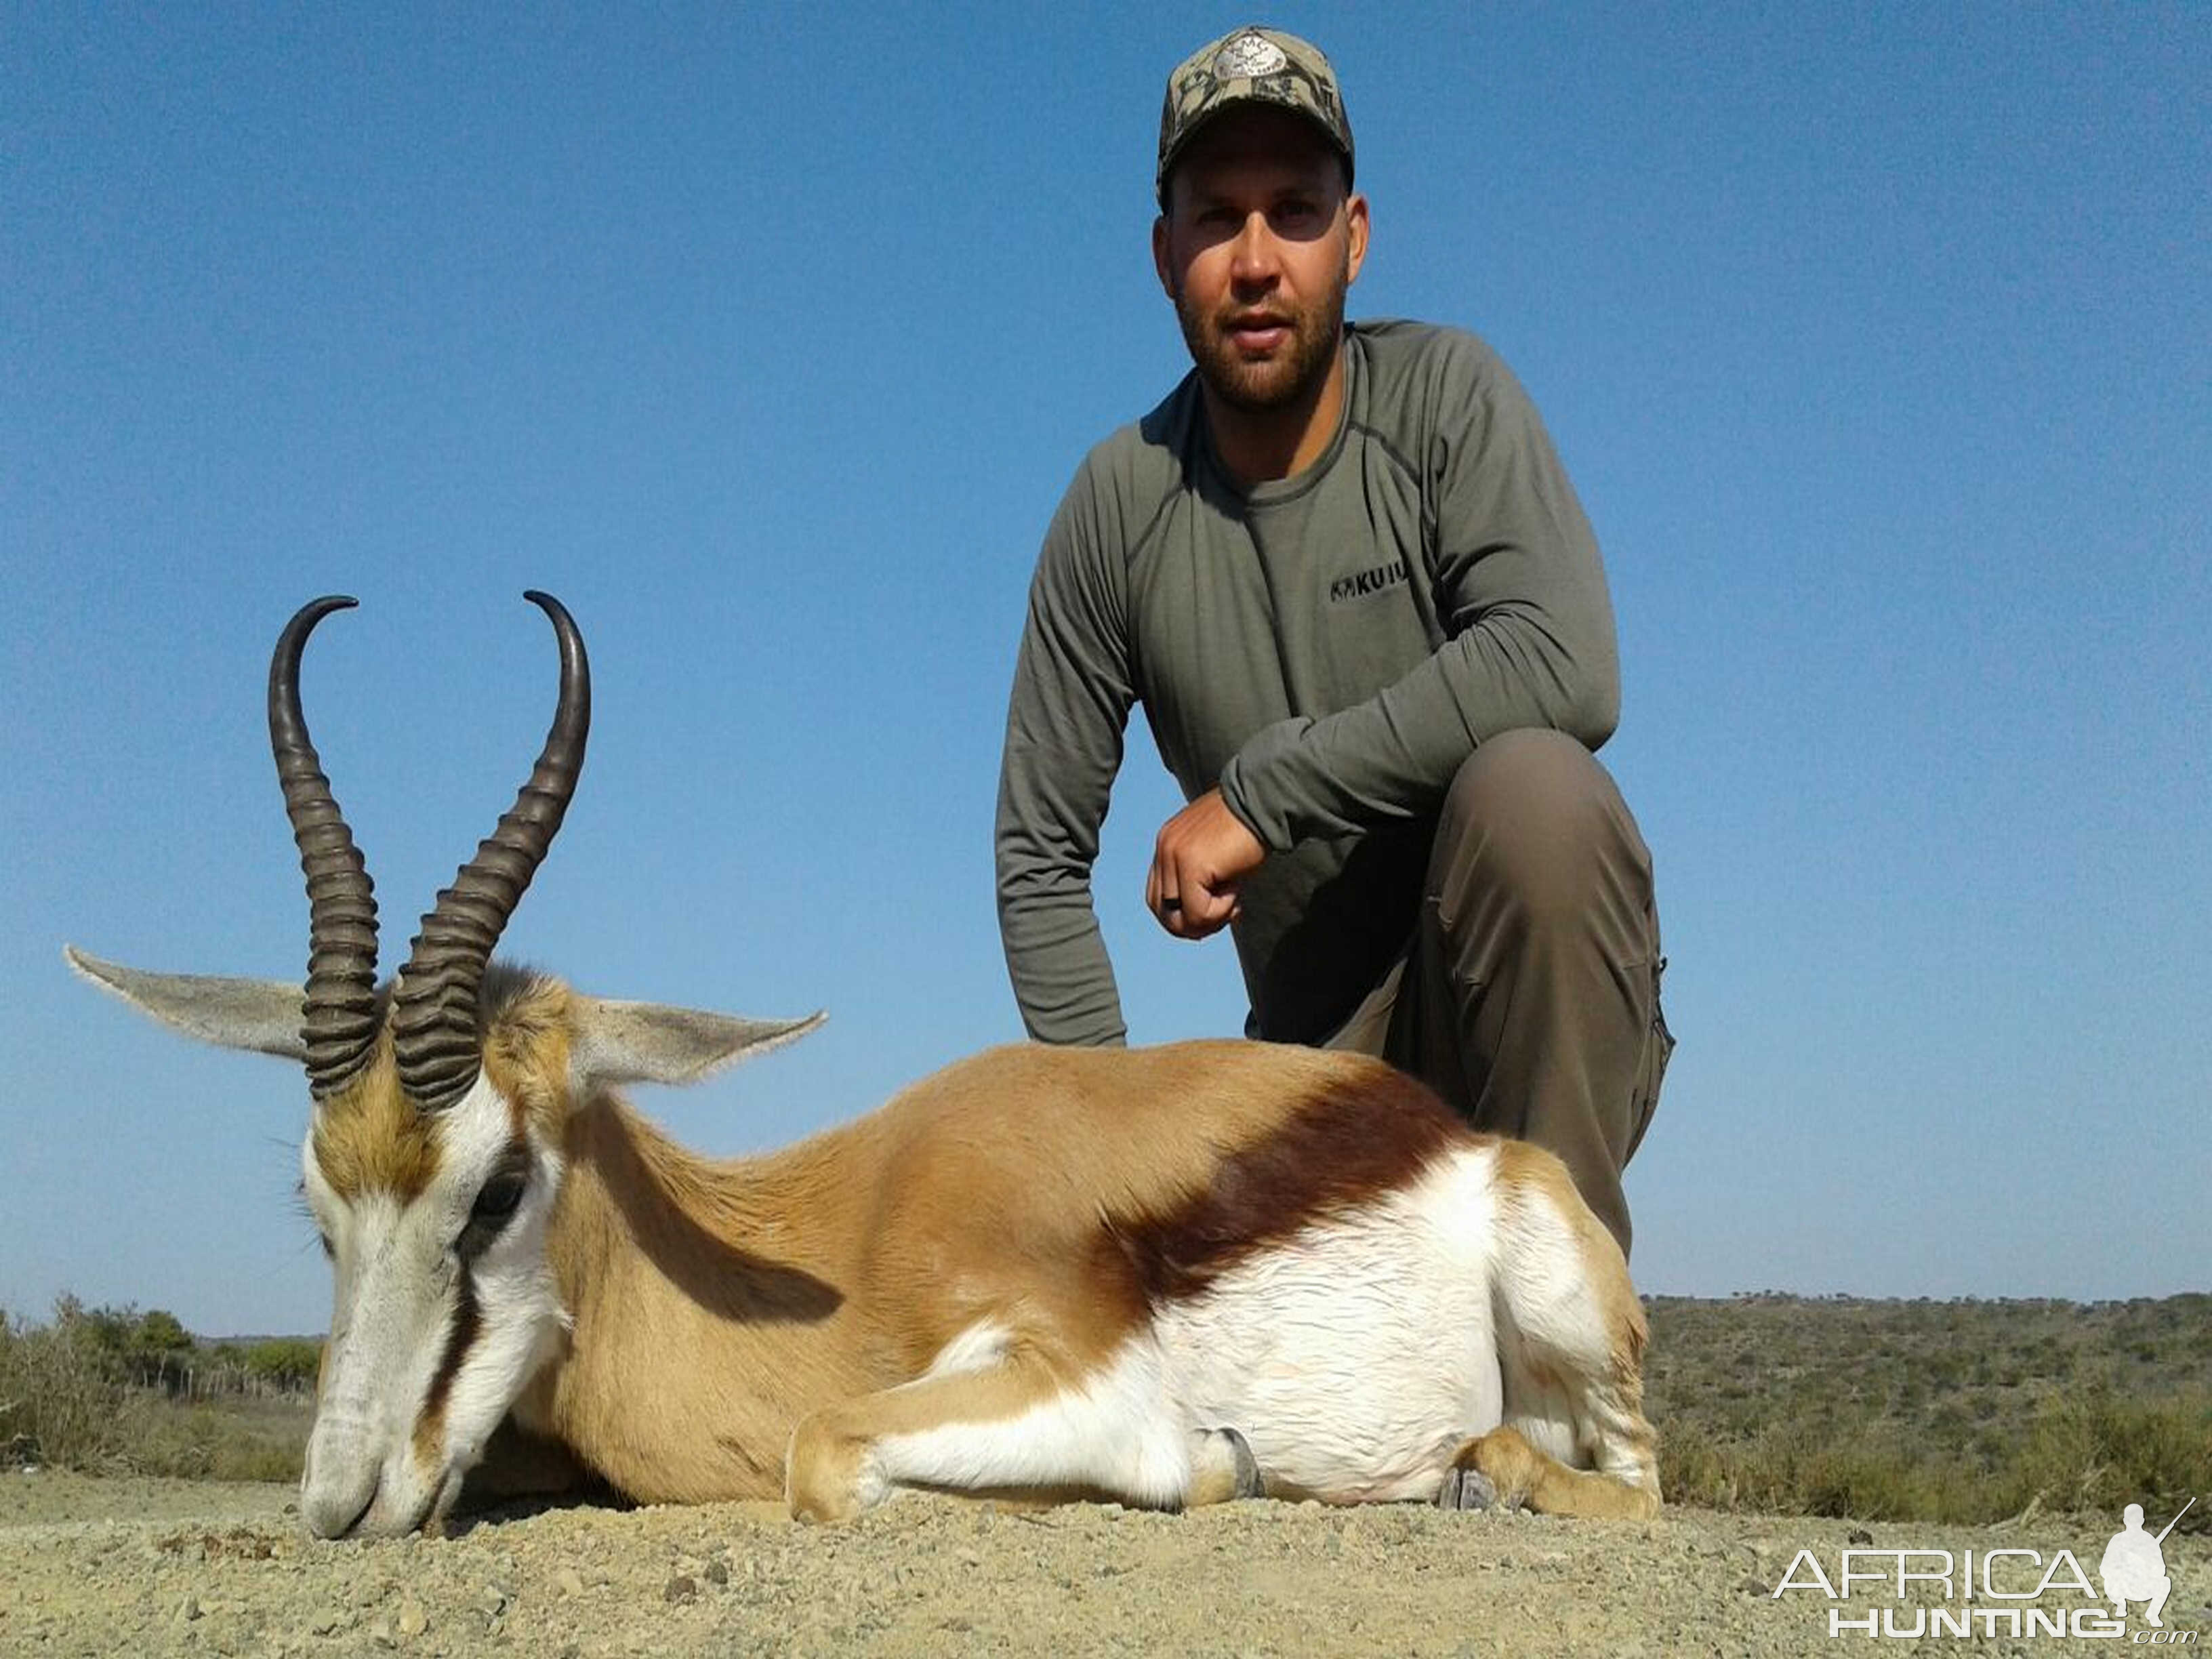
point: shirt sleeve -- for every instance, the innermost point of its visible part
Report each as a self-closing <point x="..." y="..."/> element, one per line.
<point x="1064" y="724"/>
<point x="1521" y="598"/>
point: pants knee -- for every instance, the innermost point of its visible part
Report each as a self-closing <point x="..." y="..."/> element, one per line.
<point x="1534" y="815"/>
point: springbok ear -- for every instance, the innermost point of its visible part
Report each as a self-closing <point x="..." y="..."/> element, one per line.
<point x="261" y="1015"/>
<point x="650" y="1042"/>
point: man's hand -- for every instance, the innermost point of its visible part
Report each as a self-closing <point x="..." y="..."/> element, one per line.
<point x="1199" y="856"/>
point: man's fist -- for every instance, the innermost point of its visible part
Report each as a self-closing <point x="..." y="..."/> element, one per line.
<point x="1199" y="857"/>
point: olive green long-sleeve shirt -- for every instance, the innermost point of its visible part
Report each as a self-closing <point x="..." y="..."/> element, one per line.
<point x="1328" y="649"/>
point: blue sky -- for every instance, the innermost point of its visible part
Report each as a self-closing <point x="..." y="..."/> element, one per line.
<point x="1878" y="340"/>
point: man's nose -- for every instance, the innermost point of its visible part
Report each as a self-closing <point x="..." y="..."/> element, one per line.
<point x="1253" y="259"/>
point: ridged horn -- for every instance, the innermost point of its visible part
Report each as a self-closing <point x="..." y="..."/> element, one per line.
<point x="340" y="1025"/>
<point x="434" y="1033"/>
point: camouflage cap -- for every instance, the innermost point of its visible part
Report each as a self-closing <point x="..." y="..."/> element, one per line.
<point x="1250" y="66"/>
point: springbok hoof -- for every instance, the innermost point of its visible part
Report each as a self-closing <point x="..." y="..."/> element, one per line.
<point x="1222" y="1468"/>
<point x="1248" y="1481"/>
<point x="1467" y="1489"/>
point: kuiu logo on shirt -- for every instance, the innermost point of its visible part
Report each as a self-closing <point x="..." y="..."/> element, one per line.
<point x="1366" y="582"/>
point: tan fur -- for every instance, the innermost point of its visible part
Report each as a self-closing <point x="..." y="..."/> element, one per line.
<point x="526" y="1055"/>
<point x="428" y="1441"/>
<point x="369" y="1138"/>
<point x="1604" y="1270"/>
<point x="738" y="1297"/>
<point x="1526" y="1477"/>
<point x="830" y="1446"/>
<point x="744" y="1294"/>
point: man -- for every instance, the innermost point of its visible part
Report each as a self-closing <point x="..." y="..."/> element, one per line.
<point x="1344" y="573"/>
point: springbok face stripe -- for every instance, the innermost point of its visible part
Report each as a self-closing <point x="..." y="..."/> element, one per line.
<point x="460" y="1336"/>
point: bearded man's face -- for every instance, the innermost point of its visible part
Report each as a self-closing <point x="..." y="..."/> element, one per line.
<point x="1257" y="249"/>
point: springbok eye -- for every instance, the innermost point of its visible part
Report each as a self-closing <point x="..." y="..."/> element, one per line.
<point x="496" y="1200"/>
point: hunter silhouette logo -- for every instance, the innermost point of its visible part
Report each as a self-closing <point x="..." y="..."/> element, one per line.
<point x="2007" y="1591"/>
<point x="2134" y="1565"/>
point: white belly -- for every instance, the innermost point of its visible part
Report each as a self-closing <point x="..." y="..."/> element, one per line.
<point x="1358" y="1357"/>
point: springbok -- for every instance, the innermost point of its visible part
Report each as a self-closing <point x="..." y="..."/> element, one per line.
<point x="1166" y="1276"/>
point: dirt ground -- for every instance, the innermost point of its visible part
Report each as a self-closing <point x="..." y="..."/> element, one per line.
<point x="130" y="1567"/>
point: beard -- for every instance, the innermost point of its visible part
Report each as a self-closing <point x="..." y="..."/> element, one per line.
<point x="1279" y="381"/>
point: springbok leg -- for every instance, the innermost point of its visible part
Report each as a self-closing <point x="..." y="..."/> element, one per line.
<point x="1502" y="1468"/>
<point x="1015" y="1425"/>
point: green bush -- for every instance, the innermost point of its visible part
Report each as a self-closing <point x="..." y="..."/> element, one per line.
<point x="61" y="1399"/>
<point x="92" y="1391"/>
<point x="290" y="1362"/>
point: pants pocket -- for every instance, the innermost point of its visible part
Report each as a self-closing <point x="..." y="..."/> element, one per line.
<point x="1651" y="1071"/>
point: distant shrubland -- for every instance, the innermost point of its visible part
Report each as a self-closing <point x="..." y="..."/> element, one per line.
<point x="115" y="1390"/>
<point x="1966" y="1411"/>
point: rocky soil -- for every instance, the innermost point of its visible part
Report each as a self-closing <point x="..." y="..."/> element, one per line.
<point x="128" y="1566"/>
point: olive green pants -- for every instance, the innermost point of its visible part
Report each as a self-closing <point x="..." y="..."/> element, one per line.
<point x="1528" y="997"/>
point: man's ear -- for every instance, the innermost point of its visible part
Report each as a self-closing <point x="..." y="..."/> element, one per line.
<point x="1160" y="256"/>
<point x="1356" y="226"/>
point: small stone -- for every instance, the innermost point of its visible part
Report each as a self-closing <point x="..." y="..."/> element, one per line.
<point x="568" y="1582"/>
<point x="682" y="1587"/>
<point x="717" y="1571"/>
<point x="491" y="1600"/>
<point x="413" y="1621"/>
<point x="1859" y="1535"/>
<point x="380" y="1632"/>
<point x="325" y="1624"/>
<point x="187" y="1610"/>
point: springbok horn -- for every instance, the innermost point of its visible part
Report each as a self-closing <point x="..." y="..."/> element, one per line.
<point x="434" y="1005"/>
<point x="340" y="1025"/>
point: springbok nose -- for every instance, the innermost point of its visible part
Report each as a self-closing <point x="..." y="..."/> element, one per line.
<point x="333" y="1508"/>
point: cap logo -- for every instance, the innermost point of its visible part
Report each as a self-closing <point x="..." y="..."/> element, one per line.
<point x="1248" y="57"/>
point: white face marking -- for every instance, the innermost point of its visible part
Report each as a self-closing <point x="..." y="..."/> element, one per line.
<point x="407" y="1282"/>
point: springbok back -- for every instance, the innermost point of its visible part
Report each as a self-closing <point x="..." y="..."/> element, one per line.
<point x="1167" y="1277"/>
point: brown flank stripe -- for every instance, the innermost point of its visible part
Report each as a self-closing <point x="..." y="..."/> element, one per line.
<point x="1353" y="1141"/>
